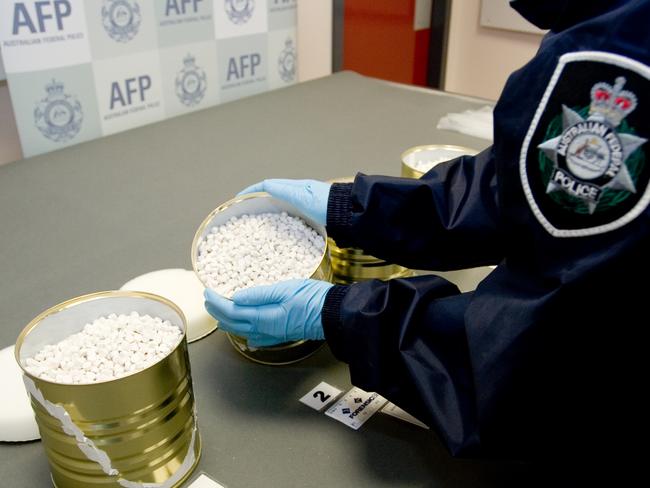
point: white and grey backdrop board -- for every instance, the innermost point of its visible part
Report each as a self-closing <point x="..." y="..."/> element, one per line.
<point x="78" y="70"/>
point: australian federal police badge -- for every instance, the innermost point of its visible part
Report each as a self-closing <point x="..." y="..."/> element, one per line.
<point x="58" y="116"/>
<point x="121" y="19"/>
<point x="239" y="11"/>
<point x="287" y="62"/>
<point x="583" y="162"/>
<point x="190" y="82"/>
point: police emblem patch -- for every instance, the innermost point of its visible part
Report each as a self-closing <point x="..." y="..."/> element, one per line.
<point x="287" y="62"/>
<point x="239" y="11"/>
<point x="121" y="19"/>
<point x="583" y="162"/>
<point x="191" y="82"/>
<point x="58" y="116"/>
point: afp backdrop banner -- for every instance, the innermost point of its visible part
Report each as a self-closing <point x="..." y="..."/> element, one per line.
<point x="78" y="70"/>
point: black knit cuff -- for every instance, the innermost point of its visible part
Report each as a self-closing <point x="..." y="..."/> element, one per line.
<point x="339" y="211"/>
<point x="332" y="320"/>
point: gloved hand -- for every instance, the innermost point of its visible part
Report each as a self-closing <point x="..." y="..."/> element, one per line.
<point x="272" y="314"/>
<point x="308" y="196"/>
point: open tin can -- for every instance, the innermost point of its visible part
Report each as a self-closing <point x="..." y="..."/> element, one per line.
<point x="418" y="160"/>
<point x="253" y="204"/>
<point x="351" y="264"/>
<point x="137" y="431"/>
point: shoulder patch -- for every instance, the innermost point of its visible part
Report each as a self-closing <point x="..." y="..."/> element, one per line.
<point x="583" y="161"/>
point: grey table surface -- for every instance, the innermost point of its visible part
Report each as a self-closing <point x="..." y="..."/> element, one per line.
<point x="93" y="216"/>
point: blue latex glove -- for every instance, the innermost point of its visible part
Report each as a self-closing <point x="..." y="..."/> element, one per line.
<point x="272" y="314"/>
<point x="308" y="196"/>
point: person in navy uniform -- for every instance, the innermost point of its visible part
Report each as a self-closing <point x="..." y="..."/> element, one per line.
<point x="547" y="354"/>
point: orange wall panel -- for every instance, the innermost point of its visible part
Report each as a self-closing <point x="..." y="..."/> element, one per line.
<point x="379" y="40"/>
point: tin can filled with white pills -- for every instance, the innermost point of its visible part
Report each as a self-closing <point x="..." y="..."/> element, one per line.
<point x="419" y="159"/>
<point x="351" y="264"/>
<point x="254" y="240"/>
<point x="109" y="379"/>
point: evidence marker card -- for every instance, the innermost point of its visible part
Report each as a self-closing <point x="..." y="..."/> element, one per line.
<point x="356" y="407"/>
<point x="321" y="396"/>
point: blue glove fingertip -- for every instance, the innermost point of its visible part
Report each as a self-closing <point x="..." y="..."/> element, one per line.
<point x="215" y="298"/>
<point x="257" y="187"/>
<point x="216" y="305"/>
<point x="212" y="310"/>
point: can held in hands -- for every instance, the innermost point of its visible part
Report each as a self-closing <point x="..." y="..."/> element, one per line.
<point x="253" y="204"/>
<point x="136" y="431"/>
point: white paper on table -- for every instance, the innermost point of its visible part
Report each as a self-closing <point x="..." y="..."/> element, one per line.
<point x="477" y="123"/>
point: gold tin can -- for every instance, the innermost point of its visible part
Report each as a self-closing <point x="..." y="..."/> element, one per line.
<point x="432" y="154"/>
<point x="351" y="264"/>
<point x="252" y="204"/>
<point x="136" y="431"/>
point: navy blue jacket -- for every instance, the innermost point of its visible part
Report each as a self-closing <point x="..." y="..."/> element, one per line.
<point x="547" y="354"/>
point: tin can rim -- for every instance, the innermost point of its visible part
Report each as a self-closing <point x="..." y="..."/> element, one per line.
<point x="60" y="307"/>
<point x="429" y="147"/>
<point x="342" y="179"/>
<point x="291" y="346"/>
<point x="234" y="201"/>
<point x="410" y="171"/>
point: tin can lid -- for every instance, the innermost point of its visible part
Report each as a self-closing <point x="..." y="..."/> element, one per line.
<point x="17" y="423"/>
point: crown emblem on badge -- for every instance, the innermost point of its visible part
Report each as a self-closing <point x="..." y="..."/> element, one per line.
<point x="611" y="103"/>
<point x="54" y="88"/>
<point x="189" y="61"/>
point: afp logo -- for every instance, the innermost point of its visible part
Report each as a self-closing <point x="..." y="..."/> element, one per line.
<point x="287" y="62"/>
<point x="239" y="11"/>
<point x="58" y="116"/>
<point x="190" y="82"/>
<point x="121" y="19"/>
<point x="40" y="19"/>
